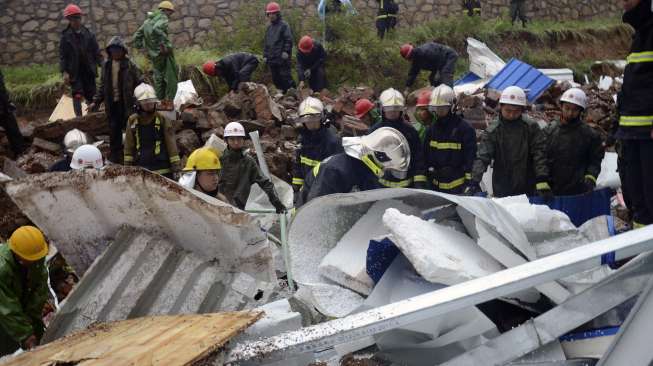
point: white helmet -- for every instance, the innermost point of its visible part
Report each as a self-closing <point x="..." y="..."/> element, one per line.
<point x="575" y="96"/>
<point x="74" y="139"/>
<point x="514" y="95"/>
<point x="234" y="129"/>
<point x="392" y="100"/>
<point x="442" y="96"/>
<point x="87" y="156"/>
<point x="145" y="93"/>
<point x="310" y="110"/>
<point x="384" y="150"/>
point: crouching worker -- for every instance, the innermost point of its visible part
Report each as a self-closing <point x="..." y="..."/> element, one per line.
<point x="233" y="69"/>
<point x="202" y="172"/>
<point x="149" y="138"/>
<point x="23" y="289"/>
<point x="71" y="142"/>
<point x="239" y="171"/>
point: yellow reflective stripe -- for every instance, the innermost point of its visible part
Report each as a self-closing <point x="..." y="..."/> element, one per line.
<point x="400" y="184"/>
<point x="162" y="171"/>
<point x="129" y="158"/>
<point x="445" y="145"/>
<point x="157" y="145"/>
<point x="638" y="57"/>
<point x="419" y="178"/>
<point x="468" y="176"/>
<point x="636" y="121"/>
<point x="451" y="185"/>
<point x="316" y="170"/>
<point x="386" y="16"/>
<point x="306" y="161"/>
<point x="174" y="159"/>
<point x="637" y="225"/>
<point x="542" y="186"/>
<point x="589" y="176"/>
<point x="373" y="167"/>
<point x="298" y="181"/>
<point x="138" y="139"/>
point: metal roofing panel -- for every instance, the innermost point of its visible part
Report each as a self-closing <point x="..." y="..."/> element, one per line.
<point x="523" y="75"/>
<point x="470" y="77"/>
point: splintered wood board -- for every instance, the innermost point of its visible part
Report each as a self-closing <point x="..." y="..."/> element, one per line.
<point x="161" y="340"/>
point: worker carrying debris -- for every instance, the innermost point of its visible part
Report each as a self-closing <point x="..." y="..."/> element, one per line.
<point x="518" y="148"/>
<point x="574" y="149"/>
<point x="239" y="171"/>
<point x="150" y="139"/>
<point x="367" y="112"/>
<point x="423" y="117"/>
<point x="202" y="172"/>
<point x="366" y="159"/>
<point x="386" y="18"/>
<point x="23" y="289"/>
<point x="437" y="58"/>
<point x="310" y="63"/>
<point x="635" y="103"/>
<point x="393" y="109"/>
<point x="153" y="37"/>
<point x="8" y="120"/>
<point x="233" y="69"/>
<point x="450" y="146"/>
<point x="277" y="48"/>
<point x="79" y="58"/>
<point x="119" y="77"/>
<point x="316" y="141"/>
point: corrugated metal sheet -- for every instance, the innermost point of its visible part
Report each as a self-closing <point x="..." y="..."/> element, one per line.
<point x="470" y="77"/>
<point x="523" y="75"/>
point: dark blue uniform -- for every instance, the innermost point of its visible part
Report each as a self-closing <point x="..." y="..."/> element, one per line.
<point x="315" y="146"/>
<point x="449" y="151"/>
<point x="339" y="173"/>
<point x="313" y="61"/>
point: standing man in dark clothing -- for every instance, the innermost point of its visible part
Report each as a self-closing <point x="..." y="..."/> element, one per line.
<point x="234" y="69"/>
<point x="472" y="7"/>
<point x="310" y="63"/>
<point x="8" y="120"/>
<point x="120" y="76"/>
<point x="79" y="57"/>
<point x="277" y="48"/>
<point x="518" y="10"/>
<point x="574" y="149"/>
<point x="635" y="104"/>
<point x="386" y="19"/>
<point x="439" y="59"/>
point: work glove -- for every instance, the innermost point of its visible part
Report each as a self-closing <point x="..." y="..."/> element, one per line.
<point x="545" y="192"/>
<point x="284" y="55"/>
<point x="589" y="184"/>
<point x="281" y="209"/>
<point x="307" y="74"/>
<point x="472" y="189"/>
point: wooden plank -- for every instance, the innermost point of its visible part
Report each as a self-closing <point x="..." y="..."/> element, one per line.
<point x="64" y="109"/>
<point x="163" y="340"/>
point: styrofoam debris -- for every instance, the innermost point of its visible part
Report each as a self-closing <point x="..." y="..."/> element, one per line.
<point x="609" y="177"/>
<point x="186" y="95"/>
<point x="605" y="82"/>
<point x="536" y="218"/>
<point x="559" y="74"/>
<point x="439" y="254"/>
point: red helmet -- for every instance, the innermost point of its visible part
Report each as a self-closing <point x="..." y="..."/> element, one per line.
<point x="362" y="107"/>
<point x="209" y="68"/>
<point x="423" y="99"/>
<point x="272" y="7"/>
<point x="71" y="9"/>
<point x="306" y="44"/>
<point x="406" y="50"/>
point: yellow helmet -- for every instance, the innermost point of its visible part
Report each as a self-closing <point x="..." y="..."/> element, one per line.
<point x="28" y="243"/>
<point x="203" y="159"/>
<point x="167" y="5"/>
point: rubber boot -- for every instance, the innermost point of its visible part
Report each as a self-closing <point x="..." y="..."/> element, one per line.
<point x="77" y="105"/>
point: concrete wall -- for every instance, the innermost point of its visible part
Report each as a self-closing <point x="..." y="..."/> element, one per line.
<point x="29" y="29"/>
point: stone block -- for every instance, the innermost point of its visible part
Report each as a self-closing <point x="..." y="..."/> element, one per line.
<point x="30" y="26"/>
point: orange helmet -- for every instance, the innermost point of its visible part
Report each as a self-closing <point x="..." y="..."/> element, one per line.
<point x="423" y="99"/>
<point x="406" y="50"/>
<point x="209" y="68"/>
<point x="362" y="107"/>
<point x="305" y="44"/>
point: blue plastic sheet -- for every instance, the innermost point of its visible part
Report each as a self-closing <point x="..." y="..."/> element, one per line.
<point x="580" y="208"/>
<point x="470" y="77"/>
<point x="380" y="255"/>
<point x="523" y="75"/>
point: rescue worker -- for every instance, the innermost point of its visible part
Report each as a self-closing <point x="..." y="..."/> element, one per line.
<point x="149" y="138"/>
<point x="8" y="120"/>
<point x="119" y="77"/>
<point x="367" y="112"/>
<point x="392" y="109"/>
<point x="423" y="117"/>
<point x="366" y="159"/>
<point x="202" y="172"/>
<point x="439" y="59"/>
<point x="79" y="58"/>
<point x="574" y="149"/>
<point x="518" y="148"/>
<point x="450" y="146"/>
<point x="310" y="63"/>
<point x="472" y="7"/>
<point x="71" y="141"/>
<point x="87" y="156"/>
<point x="635" y="107"/>
<point x="239" y="171"/>
<point x="153" y="37"/>
<point x="316" y="141"/>
<point x="233" y="69"/>
<point x="518" y="10"/>
<point x="277" y="48"/>
<point x="23" y="289"/>
<point x="386" y="18"/>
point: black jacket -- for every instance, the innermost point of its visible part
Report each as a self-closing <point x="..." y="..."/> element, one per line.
<point x="237" y="175"/>
<point x="574" y="152"/>
<point x="4" y="97"/>
<point x="339" y="173"/>
<point x="314" y="147"/>
<point x="237" y="68"/>
<point x="129" y="77"/>
<point x="635" y="101"/>
<point x="429" y="56"/>
<point x="311" y="61"/>
<point x="79" y="52"/>
<point x="278" y="39"/>
<point x="449" y="152"/>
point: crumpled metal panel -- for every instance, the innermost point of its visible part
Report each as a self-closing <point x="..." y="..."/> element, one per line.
<point x="523" y="75"/>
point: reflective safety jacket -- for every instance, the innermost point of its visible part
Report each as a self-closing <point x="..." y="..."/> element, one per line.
<point x="314" y="147"/>
<point x="151" y="144"/>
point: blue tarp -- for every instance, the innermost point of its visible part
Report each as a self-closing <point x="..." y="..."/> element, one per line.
<point x="470" y="77"/>
<point x="523" y="75"/>
<point x="582" y="207"/>
<point x="380" y="255"/>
